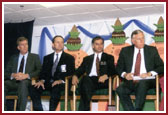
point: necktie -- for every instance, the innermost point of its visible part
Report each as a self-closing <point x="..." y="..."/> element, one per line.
<point x="55" y="65"/>
<point x="97" y="65"/>
<point x="137" y="64"/>
<point x="21" y="65"/>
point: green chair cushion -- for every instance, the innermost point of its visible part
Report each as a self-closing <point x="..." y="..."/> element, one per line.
<point x="44" y="93"/>
<point x="97" y="92"/>
<point x="12" y="93"/>
<point x="150" y="92"/>
<point x="101" y="92"/>
<point x="47" y="93"/>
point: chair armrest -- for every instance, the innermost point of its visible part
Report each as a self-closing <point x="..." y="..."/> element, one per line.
<point x="66" y="91"/>
<point x="67" y="82"/>
<point x="157" y="86"/>
<point x="110" y="91"/>
<point x="73" y="89"/>
<point x="115" y="82"/>
<point x="68" y="77"/>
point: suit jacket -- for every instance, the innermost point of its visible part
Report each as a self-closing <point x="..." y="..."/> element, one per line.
<point x="153" y="62"/>
<point x="33" y="66"/>
<point x="106" y="65"/>
<point x="65" y="59"/>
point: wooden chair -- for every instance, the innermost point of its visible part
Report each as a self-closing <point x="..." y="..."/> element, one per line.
<point x="63" y="97"/>
<point x="95" y="97"/>
<point x="13" y="97"/>
<point x="149" y="96"/>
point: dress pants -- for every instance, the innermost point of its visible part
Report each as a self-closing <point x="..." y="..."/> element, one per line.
<point x="87" y="86"/>
<point x="55" y="93"/>
<point x="140" y="88"/>
<point x="21" y="87"/>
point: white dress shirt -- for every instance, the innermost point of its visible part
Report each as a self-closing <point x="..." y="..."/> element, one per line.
<point x="59" y="56"/>
<point x="93" y="70"/>
<point x="19" y="62"/>
<point x="142" y="67"/>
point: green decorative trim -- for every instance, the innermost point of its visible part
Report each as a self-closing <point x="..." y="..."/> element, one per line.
<point x="73" y="47"/>
<point x="158" y="38"/>
<point x="118" y="28"/>
<point x="160" y="27"/>
<point x="120" y="40"/>
<point x="74" y="34"/>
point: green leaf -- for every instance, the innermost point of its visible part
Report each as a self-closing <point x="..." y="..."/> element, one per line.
<point x="119" y="40"/>
<point x="160" y="29"/>
<point x="74" y="34"/>
<point x="158" y="38"/>
<point x="118" y="28"/>
<point x="159" y="25"/>
<point x="73" y="47"/>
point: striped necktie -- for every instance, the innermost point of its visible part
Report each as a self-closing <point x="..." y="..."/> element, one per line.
<point x="55" y="65"/>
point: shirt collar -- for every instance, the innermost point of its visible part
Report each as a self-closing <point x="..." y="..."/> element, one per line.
<point x="59" y="54"/>
<point x="137" y="50"/>
<point x="99" y="55"/>
<point x="23" y="55"/>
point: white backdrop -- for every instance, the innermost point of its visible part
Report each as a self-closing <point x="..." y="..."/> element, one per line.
<point x="101" y="27"/>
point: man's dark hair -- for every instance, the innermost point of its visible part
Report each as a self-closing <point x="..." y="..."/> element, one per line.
<point x="136" y="32"/>
<point x="56" y="37"/>
<point x="97" y="38"/>
<point x="21" y="39"/>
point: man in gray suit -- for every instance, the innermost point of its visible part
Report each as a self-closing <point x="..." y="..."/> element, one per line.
<point x="20" y="69"/>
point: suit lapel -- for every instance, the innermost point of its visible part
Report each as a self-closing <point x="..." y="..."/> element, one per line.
<point x="103" y="58"/>
<point x="145" y="57"/>
<point x="103" y="64"/>
<point x="52" y="59"/>
<point x="130" y="58"/>
<point x="90" y="63"/>
<point x="28" y="62"/>
<point x="16" y="60"/>
<point x="61" y="60"/>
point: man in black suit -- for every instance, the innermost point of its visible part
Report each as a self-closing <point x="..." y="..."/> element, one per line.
<point x="56" y="66"/>
<point x="137" y="60"/>
<point x="19" y="71"/>
<point x="97" y="68"/>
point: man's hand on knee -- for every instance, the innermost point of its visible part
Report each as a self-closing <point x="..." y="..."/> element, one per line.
<point x="57" y="82"/>
<point x="40" y="84"/>
<point x="75" y="80"/>
<point x="128" y="76"/>
<point x="21" y="76"/>
<point x="103" y="78"/>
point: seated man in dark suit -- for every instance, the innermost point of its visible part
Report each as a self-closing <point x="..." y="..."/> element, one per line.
<point x="137" y="60"/>
<point x="56" y="66"/>
<point x="97" y="68"/>
<point x="19" y="71"/>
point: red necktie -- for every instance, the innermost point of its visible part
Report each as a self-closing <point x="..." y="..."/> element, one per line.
<point x="97" y="65"/>
<point x="138" y="64"/>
